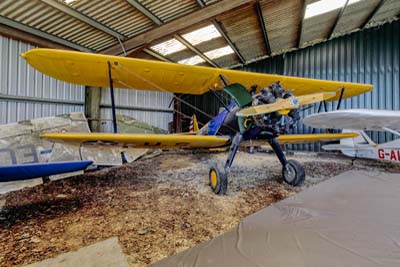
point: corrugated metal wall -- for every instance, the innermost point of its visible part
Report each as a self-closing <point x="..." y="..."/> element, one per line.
<point x="139" y="105"/>
<point x="26" y="93"/>
<point x="368" y="56"/>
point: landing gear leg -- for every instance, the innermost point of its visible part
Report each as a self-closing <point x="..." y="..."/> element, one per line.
<point x="292" y="171"/>
<point x="219" y="178"/>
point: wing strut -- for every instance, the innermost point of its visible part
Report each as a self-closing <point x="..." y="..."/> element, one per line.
<point x="340" y="99"/>
<point x="220" y="100"/>
<point x="114" y="116"/>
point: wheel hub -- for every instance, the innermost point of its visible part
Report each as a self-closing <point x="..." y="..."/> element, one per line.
<point x="213" y="179"/>
<point x="290" y="173"/>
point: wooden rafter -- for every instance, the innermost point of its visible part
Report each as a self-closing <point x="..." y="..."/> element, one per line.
<point x="78" y="15"/>
<point x="157" y="55"/>
<point x="159" y="22"/>
<point x="22" y="32"/>
<point x="338" y="17"/>
<point x="229" y="41"/>
<point x="170" y="28"/>
<point x="372" y="14"/>
<point x="145" y="11"/>
<point x="303" y="11"/>
<point x="223" y="33"/>
<point x="263" y="29"/>
<point x="195" y="50"/>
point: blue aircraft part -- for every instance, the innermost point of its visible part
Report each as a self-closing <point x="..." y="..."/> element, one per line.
<point x="36" y="170"/>
<point x="252" y="133"/>
<point x="215" y="123"/>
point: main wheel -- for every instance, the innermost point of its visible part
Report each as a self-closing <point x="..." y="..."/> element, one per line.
<point x="293" y="173"/>
<point x="218" y="181"/>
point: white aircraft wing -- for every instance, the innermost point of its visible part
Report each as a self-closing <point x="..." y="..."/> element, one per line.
<point x="356" y="119"/>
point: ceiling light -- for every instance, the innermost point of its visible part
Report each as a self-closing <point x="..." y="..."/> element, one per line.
<point x="219" y="52"/>
<point x="325" y="6"/>
<point x="191" y="60"/>
<point x="69" y="1"/>
<point x="168" y="47"/>
<point x="202" y="35"/>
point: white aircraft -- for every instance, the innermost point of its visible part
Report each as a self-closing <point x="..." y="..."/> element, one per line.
<point x="357" y="121"/>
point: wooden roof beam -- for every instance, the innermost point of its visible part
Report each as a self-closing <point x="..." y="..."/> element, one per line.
<point x="145" y="11"/>
<point x="372" y="14"/>
<point x="78" y="15"/>
<point x="339" y="16"/>
<point x="224" y="34"/>
<point x="22" y="32"/>
<point x="195" y="50"/>
<point x="303" y="12"/>
<point x="263" y="29"/>
<point x="158" y="21"/>
<point x="157" y="55"/>
<point x="205" y="14"/>
<point x="229" y="41"/>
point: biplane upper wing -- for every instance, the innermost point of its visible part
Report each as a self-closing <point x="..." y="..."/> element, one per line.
<point x="92" y="70"/>
<point x="168" y="141"/>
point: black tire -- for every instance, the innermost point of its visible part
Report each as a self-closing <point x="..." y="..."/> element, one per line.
<point x="218" y="181"/>
<point x="293" y="173"/>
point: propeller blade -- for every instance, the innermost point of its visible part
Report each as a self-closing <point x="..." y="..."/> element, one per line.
<point x="292" y="102"/>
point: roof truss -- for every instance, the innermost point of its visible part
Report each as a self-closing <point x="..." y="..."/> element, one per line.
<point x="205" y="14"/>
<point x="38" y="37"/>
<point x="78" y="15"/>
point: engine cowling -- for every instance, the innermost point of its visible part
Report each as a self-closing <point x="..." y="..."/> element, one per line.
<point x="274" y="122"/>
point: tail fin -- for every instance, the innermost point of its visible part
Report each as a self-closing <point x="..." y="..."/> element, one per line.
<point x="349" y="144"/>
<point x="361" y="139"/>
<point x="194" y="126"/>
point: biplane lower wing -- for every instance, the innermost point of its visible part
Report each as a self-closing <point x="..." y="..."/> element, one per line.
<point x="92" y="70"/>
<point x="178" y="141"/>
<point x="167" y="141"/>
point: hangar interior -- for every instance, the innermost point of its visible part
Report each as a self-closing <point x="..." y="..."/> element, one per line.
<point x="251" y="35"/>
<point x="354" y="41"/>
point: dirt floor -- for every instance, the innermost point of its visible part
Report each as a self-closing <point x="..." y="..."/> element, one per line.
<point x="156" y="207"/>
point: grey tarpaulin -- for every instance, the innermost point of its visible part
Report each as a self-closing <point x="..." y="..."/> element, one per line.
<point x="350" y="220"/>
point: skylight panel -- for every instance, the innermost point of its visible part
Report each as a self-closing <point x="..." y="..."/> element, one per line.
<point x="325" y="6"/>
<point x="191" y="60"/>
<point x="202" y="35"/>
<point x="69" y="1"/>
<point x="219" y="52"/>
<point x="168" y="47"/>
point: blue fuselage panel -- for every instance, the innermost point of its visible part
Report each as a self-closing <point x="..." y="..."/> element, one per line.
<point x="36" y="170"/>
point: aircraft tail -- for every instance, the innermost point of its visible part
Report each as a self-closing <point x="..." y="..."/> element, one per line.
<point x="361" y="139"/>
<point x="194" y="126"/>
<point x="350" y="146"/>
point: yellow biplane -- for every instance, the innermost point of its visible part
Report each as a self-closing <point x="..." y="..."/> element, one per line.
<point x="265" y="107"/>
